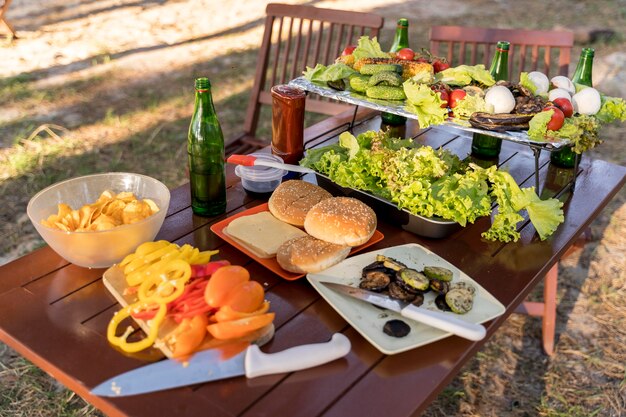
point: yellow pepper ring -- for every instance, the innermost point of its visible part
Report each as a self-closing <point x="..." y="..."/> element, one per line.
<point x="167" y="284"/>
<point x="153" y="324"/>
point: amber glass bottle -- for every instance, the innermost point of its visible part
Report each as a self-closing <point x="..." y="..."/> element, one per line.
<point x="485" y="146"/>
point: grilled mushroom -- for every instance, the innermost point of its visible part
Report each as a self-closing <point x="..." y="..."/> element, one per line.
<point x="375" y="280"/>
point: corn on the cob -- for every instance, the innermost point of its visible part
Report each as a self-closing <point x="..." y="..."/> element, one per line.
<point x="409" y="68"/>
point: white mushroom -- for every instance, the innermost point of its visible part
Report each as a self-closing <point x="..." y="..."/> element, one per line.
<point x="540" y="80"/>
<point x="563" y="82"/>
<point x="558" y="93"/>
<point x="500" y="98"/>
<point x="587" y="101"/>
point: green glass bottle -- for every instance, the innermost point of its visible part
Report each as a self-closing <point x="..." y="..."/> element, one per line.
<point x="485" y="146"/>
<point x="205" y="149"/>
<point x="400" y="41"/>
<point x="566" y="157"/>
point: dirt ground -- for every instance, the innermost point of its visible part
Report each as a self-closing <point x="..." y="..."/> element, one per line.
<point x="111" y="80"/>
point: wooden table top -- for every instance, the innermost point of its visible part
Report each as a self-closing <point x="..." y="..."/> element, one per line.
<point x="56" y="314"/>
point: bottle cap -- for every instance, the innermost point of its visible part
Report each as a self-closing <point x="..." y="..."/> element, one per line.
<point x="202" y="83"/>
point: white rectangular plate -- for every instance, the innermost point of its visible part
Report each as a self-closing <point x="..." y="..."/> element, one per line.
<point x="369" y="320"/>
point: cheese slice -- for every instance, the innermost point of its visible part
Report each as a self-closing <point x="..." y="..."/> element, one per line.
<point x="262" y="233"/>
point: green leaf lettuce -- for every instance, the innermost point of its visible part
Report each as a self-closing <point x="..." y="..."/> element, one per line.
<point x="464" y="75"/>
<point x="425" y="103"/>
<point x="368" y="48"/>
<point x="323" y="74"/>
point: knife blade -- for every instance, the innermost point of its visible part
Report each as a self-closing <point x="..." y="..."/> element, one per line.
<point x="439" y="320"/>
<point x="207" y="366"/>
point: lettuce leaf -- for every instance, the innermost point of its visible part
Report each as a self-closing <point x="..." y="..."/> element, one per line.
<point x="525" y="81"/>
<point x="538" y="125"/>
<point x="613" y="108"/>
<point x="469" y="105"/>
<point x="464" y="75"/>
<point x="368" y="48"/>
<point x="323" y="74"/>
<point x="432" y="183"/>
<point x="424" y="102"/>
<point x="581" y="130"/>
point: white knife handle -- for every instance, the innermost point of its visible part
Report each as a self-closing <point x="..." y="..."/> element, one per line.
<point x="445" y="322"/>
<point x="296" y="358"/>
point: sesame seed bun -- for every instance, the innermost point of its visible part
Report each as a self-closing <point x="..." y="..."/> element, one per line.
<point x="307" y="254"/>
<point x="293" y="199"/>
<point x="342" y="221"/>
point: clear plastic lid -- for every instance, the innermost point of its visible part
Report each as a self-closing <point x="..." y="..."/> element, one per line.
<point x="261" y="173"/>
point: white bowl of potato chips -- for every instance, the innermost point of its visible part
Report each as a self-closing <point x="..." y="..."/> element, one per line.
<point x="96" y="220"/>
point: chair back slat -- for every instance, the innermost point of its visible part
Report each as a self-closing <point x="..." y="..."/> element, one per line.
<point x="528" y="47"/>
<point x="297" y="36"/>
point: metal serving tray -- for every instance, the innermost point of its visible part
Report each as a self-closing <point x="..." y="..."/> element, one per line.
<point x="389" y="212"/>
<point x="397" y="107"/>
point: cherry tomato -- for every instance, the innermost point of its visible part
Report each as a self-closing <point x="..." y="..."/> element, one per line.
<point x="348" y="50"/>
<point x="455" y="97"/>
<point x="422" y="59"/>
<point x="440" y="65"/>
<point x="222" y="281"/>
<point x="445" y="97"/>
<point x="238" y="328"/>
<point x="556" y="122"/>
<point x="405" y="53"/>
<point x="565" y="105"/>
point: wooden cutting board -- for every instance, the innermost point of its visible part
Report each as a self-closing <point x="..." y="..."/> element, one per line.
<point x="115" y="281"/>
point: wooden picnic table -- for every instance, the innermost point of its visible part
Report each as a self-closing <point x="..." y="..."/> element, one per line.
<point x="56" y="314"/>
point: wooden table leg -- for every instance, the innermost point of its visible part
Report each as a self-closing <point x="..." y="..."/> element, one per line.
<point x="545" y="310"/>
<point x="548" y="327"/>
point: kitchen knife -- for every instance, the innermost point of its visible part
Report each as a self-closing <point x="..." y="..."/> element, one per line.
<point x="439" y="320"/>
<point x="207" y="366"/>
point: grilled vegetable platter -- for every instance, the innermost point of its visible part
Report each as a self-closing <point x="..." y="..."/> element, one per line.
<point x="535" y="109"/>
<point x="413" y="268"/>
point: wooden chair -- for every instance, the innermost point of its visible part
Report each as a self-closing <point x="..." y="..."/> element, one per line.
<point x="295" y="37"/>
<point x="3" y="19"/>
<point x="531" y="50"/>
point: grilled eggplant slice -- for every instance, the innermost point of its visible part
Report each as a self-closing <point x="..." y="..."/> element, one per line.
<point x="396" y="328"/>
<point x="441" y="303"/>
<point x="437" y="272"/>
<point x="400" y="293"/>
<point x="375" y="280"/>
<point x="419" y="299"/>
<point x="500" y="122"/>
<point x="412" y="280"/>
<point x="438" y="286"/>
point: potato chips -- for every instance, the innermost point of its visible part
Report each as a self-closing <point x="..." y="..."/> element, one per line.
<point x="109" y="211"/>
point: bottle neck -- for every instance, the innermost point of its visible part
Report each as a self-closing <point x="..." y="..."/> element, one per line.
<point x="401" y="39"/>
<point x="584" y="69"/>
<point x="500" y="64"/>
<point x="203" y="102"/>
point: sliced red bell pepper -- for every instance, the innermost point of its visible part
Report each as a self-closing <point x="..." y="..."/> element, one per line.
<point x="207" y="269"/>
